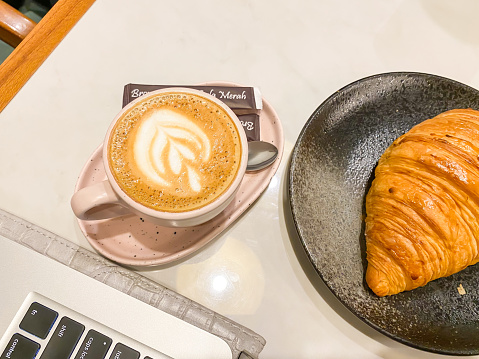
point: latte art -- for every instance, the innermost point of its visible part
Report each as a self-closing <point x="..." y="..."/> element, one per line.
<point x="168" y="143"/>
<point x="175" y="152"/>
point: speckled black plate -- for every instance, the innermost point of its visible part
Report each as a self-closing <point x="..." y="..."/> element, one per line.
<point x="331" y="170"/>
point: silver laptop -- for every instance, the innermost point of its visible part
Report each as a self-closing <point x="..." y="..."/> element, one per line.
<point x="51" y="311"/>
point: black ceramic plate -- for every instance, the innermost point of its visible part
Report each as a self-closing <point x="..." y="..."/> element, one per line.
<point x="331" y="170"/>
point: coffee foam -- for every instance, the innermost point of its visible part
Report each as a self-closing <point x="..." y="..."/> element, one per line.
<point x="175" y="152"/>
<point x="165" y="142"/>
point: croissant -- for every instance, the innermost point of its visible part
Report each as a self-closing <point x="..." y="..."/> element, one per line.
<point x="422" y="208"/>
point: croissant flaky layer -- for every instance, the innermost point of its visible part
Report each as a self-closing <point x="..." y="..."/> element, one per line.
<point x="423" y="206"/>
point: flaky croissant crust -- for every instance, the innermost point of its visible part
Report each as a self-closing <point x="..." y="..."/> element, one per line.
<point x="423" y="205"/>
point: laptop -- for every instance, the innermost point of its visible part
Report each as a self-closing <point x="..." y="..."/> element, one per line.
<point x="51" y="311"/>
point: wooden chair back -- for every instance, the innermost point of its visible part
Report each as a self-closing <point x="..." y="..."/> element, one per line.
<point x="14" y="26"/>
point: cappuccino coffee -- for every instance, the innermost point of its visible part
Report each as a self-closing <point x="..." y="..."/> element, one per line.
<point x="174" y="152"/>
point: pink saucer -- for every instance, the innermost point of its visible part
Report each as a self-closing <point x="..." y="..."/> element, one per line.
<point x="130" y="240"/>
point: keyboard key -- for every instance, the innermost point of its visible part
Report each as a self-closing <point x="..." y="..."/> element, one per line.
<point x="38" y="320"/>
<point x="121" y="351"/>
<point x="64" y="339"/>
<point x="95" y="345"/>
<point x="20" y="347"/>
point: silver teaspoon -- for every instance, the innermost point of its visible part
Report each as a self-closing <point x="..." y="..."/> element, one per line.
<point x="260" y="155"/>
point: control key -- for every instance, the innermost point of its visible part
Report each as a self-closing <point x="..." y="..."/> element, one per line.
<point x="20" y="347"/>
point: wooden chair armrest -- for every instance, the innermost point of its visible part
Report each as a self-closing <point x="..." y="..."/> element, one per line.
<point x="14" y="26"/>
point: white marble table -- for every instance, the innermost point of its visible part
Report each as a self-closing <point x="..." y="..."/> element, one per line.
<point x="298" y="53"/>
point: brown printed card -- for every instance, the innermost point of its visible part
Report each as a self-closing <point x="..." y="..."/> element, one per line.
<point x="246" y="102"/>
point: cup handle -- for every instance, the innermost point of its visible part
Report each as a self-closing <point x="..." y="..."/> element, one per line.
<point x="97" y="201"/>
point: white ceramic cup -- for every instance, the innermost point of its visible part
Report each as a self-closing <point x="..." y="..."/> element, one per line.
<point x="107" y="200"/>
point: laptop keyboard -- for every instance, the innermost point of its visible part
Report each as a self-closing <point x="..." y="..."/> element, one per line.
<point x="44" y="329"/>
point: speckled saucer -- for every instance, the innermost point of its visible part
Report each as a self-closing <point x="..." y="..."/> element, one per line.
<point x="331" y="171"/>
<point x="132" y="241"/>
